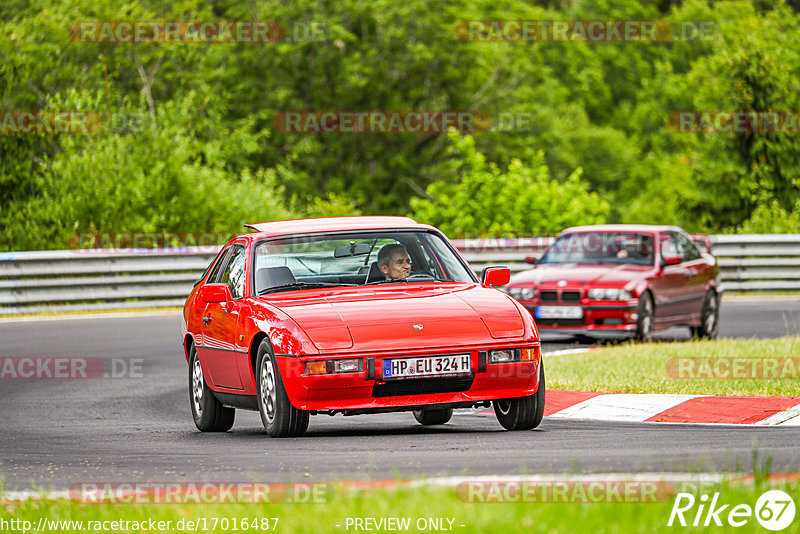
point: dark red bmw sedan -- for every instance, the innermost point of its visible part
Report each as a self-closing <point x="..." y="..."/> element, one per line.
<point x="355" y="315"/>
<point x="630" y="280"/>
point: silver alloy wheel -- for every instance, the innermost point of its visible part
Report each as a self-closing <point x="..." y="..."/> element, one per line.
<point x="504" y="406"/>
<point x="711" y="315"/>
<point x="647" y="320"/>
<point x="269" y="394"/>
<point x="197" y="387"/>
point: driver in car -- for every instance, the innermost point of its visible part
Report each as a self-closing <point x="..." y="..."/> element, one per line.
<point x="394" y="262"/>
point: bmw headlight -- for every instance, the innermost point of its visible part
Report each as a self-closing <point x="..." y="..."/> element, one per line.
<point x="522" y="293"/>
<point x="609" y="294"/>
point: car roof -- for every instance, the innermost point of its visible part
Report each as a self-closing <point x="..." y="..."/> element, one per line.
<point x="646" y="228"/>
<point x="333" y="224"/>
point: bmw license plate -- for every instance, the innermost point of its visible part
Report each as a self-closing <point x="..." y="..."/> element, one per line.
<point x="425" y="366"/>
<point x="559" y="312"/>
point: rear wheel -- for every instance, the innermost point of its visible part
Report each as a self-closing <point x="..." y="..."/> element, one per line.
<point x="208" y="413"/>
<point x="646" y="315"/>
<point x="522" y="413"/>
<point x="280" y="418"/>
<point x="710" y="317"/>
<point x="433" y="417"/>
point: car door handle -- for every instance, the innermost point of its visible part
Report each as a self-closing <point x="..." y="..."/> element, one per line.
<point x="206" y="320"/>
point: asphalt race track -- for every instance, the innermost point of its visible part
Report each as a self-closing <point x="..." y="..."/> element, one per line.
<point x="139" y="428"/>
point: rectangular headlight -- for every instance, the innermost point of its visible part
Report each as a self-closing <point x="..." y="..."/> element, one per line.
<point x="325" y="367"/>
<point x="503" y="355"/>
<point x="522" y="293"/>
<point x="346" y="366"/>
<point x="609" y="294"/>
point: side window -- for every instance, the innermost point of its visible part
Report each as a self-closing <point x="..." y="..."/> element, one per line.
<point x="669" y="247"/>
<point x="234" y="272"/>
<point x="687" y="248"/>
<point x="212" y="278"/>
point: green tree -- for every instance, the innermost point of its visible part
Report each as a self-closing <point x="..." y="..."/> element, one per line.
<point x="753" y="68"/>
<point x="518" y="199"/>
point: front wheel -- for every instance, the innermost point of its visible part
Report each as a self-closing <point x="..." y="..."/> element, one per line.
<point x="433" y="417"/>
<point x="644" y="321"/>
<point x="710" y="318"/>
<point x="522" y="413"/>
<point x="208" y="413"/>
<point x="280" y="418"/>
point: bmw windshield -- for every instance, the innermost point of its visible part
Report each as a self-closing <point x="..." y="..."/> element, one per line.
<point x="601" y="247"/>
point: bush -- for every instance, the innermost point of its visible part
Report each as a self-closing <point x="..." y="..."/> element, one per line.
<point x="520" y="199"/>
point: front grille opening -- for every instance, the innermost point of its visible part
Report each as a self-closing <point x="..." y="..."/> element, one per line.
<point x="560" y="322"/>
<point x="570" y="296"/>
<point x="548" y="296"/>
<point x="421" y="386"/>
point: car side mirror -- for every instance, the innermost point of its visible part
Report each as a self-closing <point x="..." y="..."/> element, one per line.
<point x="216" y="293"/>
<point x="672" y="260"/>
<point x="533" y="260"/>
<point x="496" y="276"/>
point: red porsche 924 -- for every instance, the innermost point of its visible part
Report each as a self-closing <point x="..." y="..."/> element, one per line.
<point x="629" y="280"/>
<point x="355" y="315"/>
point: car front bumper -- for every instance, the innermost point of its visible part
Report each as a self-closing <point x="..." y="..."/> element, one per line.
<point x="366" y="390"/>
<point x="612" y="319"/>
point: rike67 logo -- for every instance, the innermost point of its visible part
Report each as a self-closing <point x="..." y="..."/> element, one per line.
<point x="774" y="510"/>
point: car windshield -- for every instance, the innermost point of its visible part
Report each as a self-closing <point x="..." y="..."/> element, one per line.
<point x="601" y="247"/>
<point x="357" y="258"/>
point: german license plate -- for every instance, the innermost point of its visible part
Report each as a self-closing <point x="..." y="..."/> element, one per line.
<point x="425" y="366"/>
<point x="559" y="312"/>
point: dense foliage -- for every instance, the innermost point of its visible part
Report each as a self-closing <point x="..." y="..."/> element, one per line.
<point x="579" y="129"/>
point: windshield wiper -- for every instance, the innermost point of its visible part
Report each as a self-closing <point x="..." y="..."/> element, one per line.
<point x="300" y="285"/>
<point x="416" y="277"/>
<point x="392" y="281"/>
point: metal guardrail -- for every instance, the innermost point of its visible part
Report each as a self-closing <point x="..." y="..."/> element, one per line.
<point x="104" y="279"/>
<point x="66" y="280"/>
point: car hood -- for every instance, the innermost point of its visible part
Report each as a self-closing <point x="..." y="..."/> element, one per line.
<point x="573" y="273"/>
<point x="386" y="318"/>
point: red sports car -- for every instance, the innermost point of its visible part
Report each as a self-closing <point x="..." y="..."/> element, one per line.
<point x="624" y="279"/>
<point x="355" y="315"/>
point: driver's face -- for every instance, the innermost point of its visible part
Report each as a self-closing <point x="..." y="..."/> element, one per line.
<point x="399" y="266"/>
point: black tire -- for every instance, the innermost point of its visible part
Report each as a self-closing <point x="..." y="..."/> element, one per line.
<point x="208" y="413"/>
<point x="585" y="340"/>
<point x="280" y="418"/>
<point x="522" y="413"/>
<point x="433" y="417"/>
<point x="646" y="316"/>
<point x="709" y="327"/>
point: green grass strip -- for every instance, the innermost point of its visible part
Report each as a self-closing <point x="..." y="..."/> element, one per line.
<point x="427" y="509"/>
<point x="768" y="367"/>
